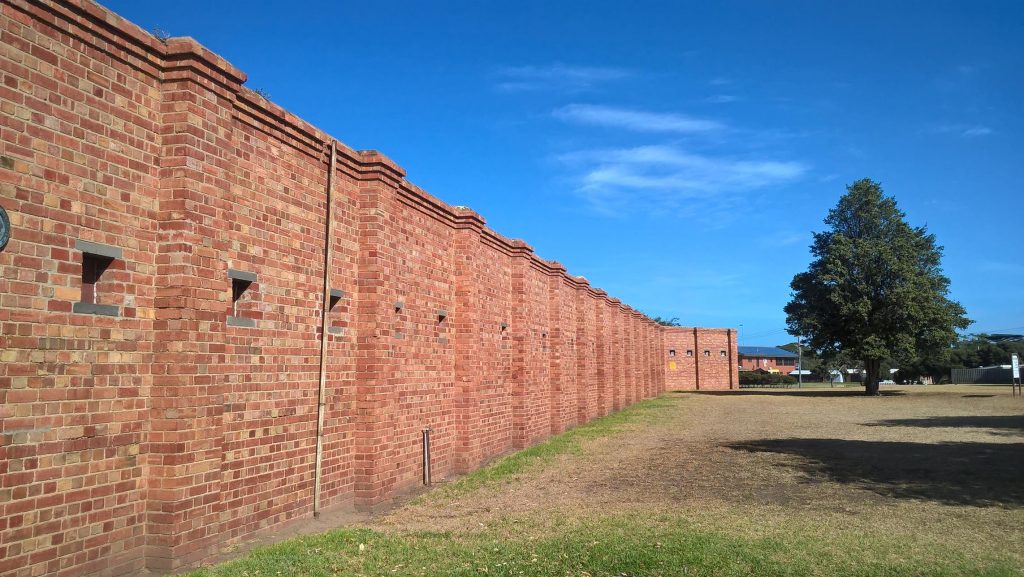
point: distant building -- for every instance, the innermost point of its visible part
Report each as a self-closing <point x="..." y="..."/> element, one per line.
<point x="771" y="359"/>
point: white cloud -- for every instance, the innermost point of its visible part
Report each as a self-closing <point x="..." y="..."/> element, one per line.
<point x="666" y="178"/>
<point x="555" y="77"/>
<point x="784" y="238"/>
<point x="965" y="130"/>
<point x="721" y="99"/>
<point x="635" y="120"/>
<point x="977" y="131"/>
<point x="1001" y="267"/>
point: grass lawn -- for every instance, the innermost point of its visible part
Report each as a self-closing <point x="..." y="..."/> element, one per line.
<point x="924" y="481"/>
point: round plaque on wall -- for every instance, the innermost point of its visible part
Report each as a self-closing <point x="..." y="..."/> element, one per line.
<point x="5" y="228"/>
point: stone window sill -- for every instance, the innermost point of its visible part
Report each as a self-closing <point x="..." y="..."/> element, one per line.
<point x="95" y="309"/>
<point x="241" y="322"/>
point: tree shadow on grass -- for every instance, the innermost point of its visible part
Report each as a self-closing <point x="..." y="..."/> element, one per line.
<point x="795" y="393"/>
<point x="1011" y="423"/>
<point x="977" y="474"/>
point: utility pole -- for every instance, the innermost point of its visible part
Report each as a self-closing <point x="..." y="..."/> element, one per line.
<point x="800" y="362"/>
<point x="738" y="360"/>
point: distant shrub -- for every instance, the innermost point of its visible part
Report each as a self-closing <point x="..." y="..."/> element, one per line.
<point x="761" y="378"/>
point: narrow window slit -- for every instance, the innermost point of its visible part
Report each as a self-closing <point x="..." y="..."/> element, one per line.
<point x="96" y="259"/>
<point x="240" y="283"/>
<point x="334" y="298"/>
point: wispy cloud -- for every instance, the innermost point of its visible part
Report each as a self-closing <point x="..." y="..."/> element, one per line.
<point x="635" y="120"/>
<point x="721" y="99"/>
<point x="960" y="78"/>
<point x="667" y="178"/>
<point x="1001" y="267"/>
<point x="965" y="130"/>
<point x="783" y="238"/>
<point x="555" y="77"/>
<point x="977" y="131"/>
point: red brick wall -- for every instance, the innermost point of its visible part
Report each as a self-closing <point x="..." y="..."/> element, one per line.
<point x="562" y="344"/>
<point x="484" y="350"/>
<point x="613" y="327"/>
<point x="154" y="437"/>
<point x="589" y="382"/>
<point x="713" y="364"/>
<point x="766" y="363"/>
<point x="79" y="162"/>
<point x="530" y="327"/>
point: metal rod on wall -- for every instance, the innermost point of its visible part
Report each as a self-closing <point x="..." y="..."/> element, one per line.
<point x="426" y="456"/>
<point x="728" y="347"/>
<point x="322" y="388"/>
<point x="696" y="359"/>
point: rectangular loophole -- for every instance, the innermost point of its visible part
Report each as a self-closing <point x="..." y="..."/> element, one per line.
<point x="335" y="297"/>
<point x="240" y="283"/>
<point x="238" y="288"/>
<point x="96" y="259"/>
<point x="93" y="266"/>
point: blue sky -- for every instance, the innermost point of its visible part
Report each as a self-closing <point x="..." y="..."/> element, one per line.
<point x="677" y="154"/>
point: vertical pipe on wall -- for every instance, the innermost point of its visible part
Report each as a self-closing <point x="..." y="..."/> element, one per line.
<point x="696" y="360"/>
<point x="728" y="347"/>
<point x="426" y="456"/>
<point x="321" y="390"/>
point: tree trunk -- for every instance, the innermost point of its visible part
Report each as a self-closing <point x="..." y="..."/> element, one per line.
<point x="873" y="369"/>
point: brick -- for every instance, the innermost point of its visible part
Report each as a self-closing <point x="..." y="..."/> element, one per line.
<point x="705" y="359"/>
<point x="150" y="439"/>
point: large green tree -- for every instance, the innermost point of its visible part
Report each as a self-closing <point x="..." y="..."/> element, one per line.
<point x="875" y="289"/>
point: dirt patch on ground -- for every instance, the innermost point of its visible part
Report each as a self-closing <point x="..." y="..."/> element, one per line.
<point x="943" y="461"/>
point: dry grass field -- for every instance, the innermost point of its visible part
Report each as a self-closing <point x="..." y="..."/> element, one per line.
<point x="921" y="481"/>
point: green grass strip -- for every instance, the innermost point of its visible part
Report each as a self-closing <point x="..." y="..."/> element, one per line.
<point x="569" y="442"/>
<point x="608" y="547"/>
